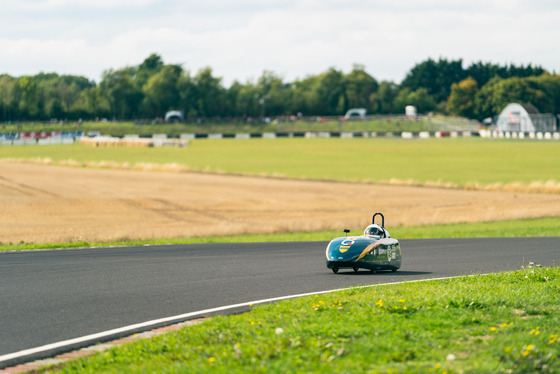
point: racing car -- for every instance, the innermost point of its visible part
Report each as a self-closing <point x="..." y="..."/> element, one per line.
<point x="374" y="250"/>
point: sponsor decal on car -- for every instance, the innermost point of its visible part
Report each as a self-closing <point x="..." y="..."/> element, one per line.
<point x="346" y="244"/>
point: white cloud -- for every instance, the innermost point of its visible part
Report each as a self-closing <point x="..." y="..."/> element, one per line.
<point x="240" y="39"/>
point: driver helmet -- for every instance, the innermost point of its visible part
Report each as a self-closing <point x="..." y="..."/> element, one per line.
<point x="374" y="229"/>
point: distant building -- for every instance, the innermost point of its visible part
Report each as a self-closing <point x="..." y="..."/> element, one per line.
<point x="525" y="118"/>
<point x="355" y="113"/>
<point x="174" y="115"/>
<point x="410" y="111"/>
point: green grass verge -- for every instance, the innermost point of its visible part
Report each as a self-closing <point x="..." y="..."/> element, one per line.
<point x="516" y="228"/>
<point x="460" y="162"/>
<point x="506" y="322"/>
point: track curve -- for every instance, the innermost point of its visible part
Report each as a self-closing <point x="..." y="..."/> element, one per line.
<point x="54" y="295"/>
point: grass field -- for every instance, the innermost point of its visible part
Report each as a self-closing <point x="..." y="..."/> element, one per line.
<point x="469" y="163"/>
<point x="517" y="166"/>
<point x="498" y="323"/>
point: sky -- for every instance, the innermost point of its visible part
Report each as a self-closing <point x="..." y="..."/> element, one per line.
<point x="240" y="39"/>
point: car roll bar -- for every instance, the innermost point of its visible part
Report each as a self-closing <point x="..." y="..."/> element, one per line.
<point x="382" y="219"/>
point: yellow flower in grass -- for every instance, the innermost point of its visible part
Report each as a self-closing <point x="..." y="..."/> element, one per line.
<point x="319" y="304"/>
<point x="527" y="350"/>
<point x="507" y="349"/>
<point x="553" y="338"/>
<point x="379" y="303"/>
<point x="492" y="328"/>
<point x="212" y="360"/>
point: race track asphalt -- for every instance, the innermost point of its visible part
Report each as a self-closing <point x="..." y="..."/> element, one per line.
<point x="54" y="295"/>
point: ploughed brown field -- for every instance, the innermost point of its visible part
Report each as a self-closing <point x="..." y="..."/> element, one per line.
<point x="53" y="204"/>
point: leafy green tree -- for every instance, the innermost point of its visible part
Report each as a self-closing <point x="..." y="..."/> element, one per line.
<point x="303" y="99"/>
<point x="7" y="102"/>
<point x="508" y="90"/>
<point x="209" y="94"/>
<point x="161" y="91"/>
<point x="186" y="89"/>
<point x="152" y="88"/>
<point x="419" y="98"/>
<point x="321" y="94"/>
<point x="92" y="103"/>
<point x="359" y="86"/>
<point x="327" y="93"/>
<point x="152" y="65"/>
<point x="423" y="101"/>
<point x="435" y="76"/>
<point x="271" y="93"/>
<point x="231" y="100"/>
<point x="246" y="101"/>
<point x="497" y="93"/>
<point x="382" y="101"/>
<point x="484" y="99"/>
<point x="60" y="93"/>
<point x="520" y="71"/>
<point x="482" y="72"/>
<point x="461" y="99"/>
<point x="123" y="94"/>
<point x="549" y="85"/>
<point x="26" y="93"/>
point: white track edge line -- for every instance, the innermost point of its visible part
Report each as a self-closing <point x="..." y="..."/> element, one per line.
<point x="120" y="330"/>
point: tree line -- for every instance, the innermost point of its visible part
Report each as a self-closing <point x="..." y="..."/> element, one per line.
<point x="152" y="88"/>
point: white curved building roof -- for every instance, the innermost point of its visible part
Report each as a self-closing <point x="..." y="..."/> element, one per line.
<point x="515" y="117"/>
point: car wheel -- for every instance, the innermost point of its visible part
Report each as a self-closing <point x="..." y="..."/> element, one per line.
<point x="394" y="270"/>
<point x="335" y="270"/>
<point x="356" y="269"/>
<point x="373" y="271"/>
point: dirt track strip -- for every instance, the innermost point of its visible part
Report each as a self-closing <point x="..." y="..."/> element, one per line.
<point x="50" y="204"/>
